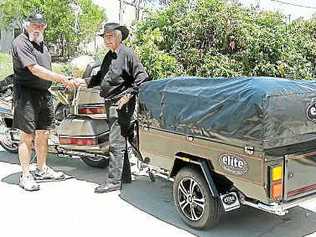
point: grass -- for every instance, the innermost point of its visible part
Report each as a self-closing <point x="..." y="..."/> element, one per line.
<point x="6" y="68"/>
<point x="5" y="65"/>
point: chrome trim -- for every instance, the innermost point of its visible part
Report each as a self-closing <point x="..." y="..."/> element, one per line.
<point x="94" y="116"/>
<point x="273" y="208"/>
<point x="285" y="176"/>
<point x="75" y="101"/>
<point x="277" y="208"/>
<point x="78" y="154"/>
<point x="95" y="105"/>
<point x="81" y="137"/>
<point x="97" y="148"/>
<point x="142" y="166"/>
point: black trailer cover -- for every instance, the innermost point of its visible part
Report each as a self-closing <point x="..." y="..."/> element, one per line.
<point x="260" y="111"/>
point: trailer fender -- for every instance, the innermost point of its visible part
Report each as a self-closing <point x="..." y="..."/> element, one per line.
<point x="181" y="161"/>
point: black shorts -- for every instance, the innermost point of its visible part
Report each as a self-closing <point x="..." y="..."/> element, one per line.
<point x="33" y="110"/>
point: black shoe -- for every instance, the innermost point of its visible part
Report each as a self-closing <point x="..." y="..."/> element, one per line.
<point x="107" y="187"/>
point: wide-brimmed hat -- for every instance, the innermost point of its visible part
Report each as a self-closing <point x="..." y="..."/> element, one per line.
<point x="109" y="27"/>
<point x="37" y="18"/>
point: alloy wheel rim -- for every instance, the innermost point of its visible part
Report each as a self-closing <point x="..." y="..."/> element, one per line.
<point x="191" y="199"/>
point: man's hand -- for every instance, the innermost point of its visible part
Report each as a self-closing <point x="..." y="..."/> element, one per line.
<point x="69" y="83"/>
<point x="80" y="81"/>
<point x="48" y="75"/>
<point x="124" y="100"/>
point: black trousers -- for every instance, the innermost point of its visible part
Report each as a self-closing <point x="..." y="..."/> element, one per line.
<point x="120" y="131"/>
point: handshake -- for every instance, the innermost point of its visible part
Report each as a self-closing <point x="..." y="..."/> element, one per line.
<point x="72" y="83"/>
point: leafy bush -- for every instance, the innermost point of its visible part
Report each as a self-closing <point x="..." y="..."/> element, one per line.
<point x="62" y="68"/>
<point x="215" y="38"/>
<point x="6" y="68"/>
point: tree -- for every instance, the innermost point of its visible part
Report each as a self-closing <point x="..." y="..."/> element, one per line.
<point x="63" y="23"/>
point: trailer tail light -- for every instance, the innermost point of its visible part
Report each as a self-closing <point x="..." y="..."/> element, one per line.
<point x="97" y="109"/>
<point x="276" y="187"/>
<point x="277" y="191"/>
<point x="277" y="173"/>
<point x="77" y="141"/>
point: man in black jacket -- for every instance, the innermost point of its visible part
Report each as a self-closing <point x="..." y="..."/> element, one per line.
<point x="120" y="76"/>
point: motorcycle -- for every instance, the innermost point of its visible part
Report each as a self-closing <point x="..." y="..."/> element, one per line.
<point x="81" y="129"/>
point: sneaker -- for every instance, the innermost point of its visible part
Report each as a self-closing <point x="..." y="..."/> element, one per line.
<point x="48" y="173"/>
<point x="28" y="183"/>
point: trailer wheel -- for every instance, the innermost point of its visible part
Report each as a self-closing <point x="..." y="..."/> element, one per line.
<point x="193" y="199"/>
<point x="96" y="163"/>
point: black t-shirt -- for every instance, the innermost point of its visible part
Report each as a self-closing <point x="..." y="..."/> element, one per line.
<point x="26" y="53"/>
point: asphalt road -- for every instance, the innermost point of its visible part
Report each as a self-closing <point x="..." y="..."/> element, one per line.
<point x="71" y="208"/>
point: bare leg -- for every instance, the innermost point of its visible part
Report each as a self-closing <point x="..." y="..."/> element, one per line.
<point x="41" y="147"/>
<point x="25" y="152"/>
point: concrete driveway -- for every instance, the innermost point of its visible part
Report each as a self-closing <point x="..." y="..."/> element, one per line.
<point x="70" y="208"/>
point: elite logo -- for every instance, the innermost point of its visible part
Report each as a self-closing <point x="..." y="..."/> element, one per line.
<point x="229" y="199"/>
<point x="233" y="164"/>
<point x="311" y="112"/>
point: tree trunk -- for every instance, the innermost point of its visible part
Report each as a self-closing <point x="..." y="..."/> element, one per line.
<point x="62" y="46"/>
<point x="121" y="12"/>
<point x="138" y="8"/>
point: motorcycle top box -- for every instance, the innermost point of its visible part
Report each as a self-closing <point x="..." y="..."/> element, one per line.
<point x="84" y="134"/>
<point x="86" y="127"/>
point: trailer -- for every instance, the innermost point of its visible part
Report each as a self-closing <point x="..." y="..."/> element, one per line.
<point x="227" y="142"/>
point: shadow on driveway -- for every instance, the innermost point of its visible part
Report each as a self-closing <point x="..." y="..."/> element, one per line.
<point x="72" y="167"/>
<point x="156" y="199"/>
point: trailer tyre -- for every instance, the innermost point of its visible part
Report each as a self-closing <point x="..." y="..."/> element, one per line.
<point x="194" y="201"/>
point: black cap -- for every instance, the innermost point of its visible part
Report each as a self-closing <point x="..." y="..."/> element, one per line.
<point x="36" y="18"/>
<point x="109" y="27"/>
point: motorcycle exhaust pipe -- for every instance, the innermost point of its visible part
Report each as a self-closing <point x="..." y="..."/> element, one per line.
<point x="79" y="154"/>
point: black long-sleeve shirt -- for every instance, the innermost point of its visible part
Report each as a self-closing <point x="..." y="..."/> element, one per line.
<point x="121" y="71"/>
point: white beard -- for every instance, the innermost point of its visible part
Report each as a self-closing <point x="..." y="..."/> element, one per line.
<point x="36" y="37"/>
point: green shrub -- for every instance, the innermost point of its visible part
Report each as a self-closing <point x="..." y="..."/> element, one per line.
<point x="215" y="38"/>
<point x="6" y="68"/>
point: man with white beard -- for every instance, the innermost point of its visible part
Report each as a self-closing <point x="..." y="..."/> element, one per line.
<point x="33" y="107"/>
